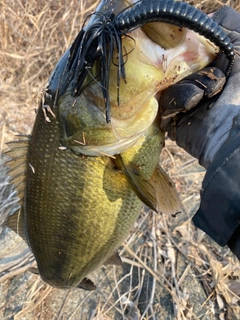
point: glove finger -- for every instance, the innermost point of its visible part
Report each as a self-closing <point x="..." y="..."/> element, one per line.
<point x="182" y="96"/>
<point x="211" y="80"/>
<point x="187" y="93"/>
<point x="175" y="99"/>
<point x="228" y="18"/>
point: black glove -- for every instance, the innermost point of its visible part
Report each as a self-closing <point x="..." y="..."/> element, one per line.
<point x="211" y="133"/>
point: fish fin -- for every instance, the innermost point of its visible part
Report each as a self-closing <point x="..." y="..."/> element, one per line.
<point x="139" y="183"/>
<point x="167" y="197"/>
<point x="15" y="222"/>
<point x="86" y="284"/>
<point x="34" y="270"/>
<point x="115" y="259"/>
<point x="18" y="163"/>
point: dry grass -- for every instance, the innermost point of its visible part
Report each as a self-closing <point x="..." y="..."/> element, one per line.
<point x="171" y="270"/>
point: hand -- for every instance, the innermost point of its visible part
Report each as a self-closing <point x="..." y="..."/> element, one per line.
<point x="210" y="131"/>
<point x="187" y="127"/>
<point x="203" y="130"/>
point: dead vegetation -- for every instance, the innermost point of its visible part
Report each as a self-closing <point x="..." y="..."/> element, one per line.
<point x="171" y="270"/>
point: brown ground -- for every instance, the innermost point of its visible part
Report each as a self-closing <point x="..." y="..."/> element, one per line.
<point x="171" y="270"/>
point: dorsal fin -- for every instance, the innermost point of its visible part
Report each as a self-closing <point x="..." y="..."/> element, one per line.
<point x="18" y="151"/>
<point x="15" y="222"/>
<point x="114" y="259"/>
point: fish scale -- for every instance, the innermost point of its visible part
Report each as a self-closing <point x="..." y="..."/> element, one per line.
<point x="70" y="199"/>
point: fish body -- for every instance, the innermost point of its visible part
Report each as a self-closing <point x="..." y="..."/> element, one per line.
<point x="81" y="179"/>
<point x="78" y="209"/>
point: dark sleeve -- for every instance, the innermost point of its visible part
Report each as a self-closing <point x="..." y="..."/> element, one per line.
<point x="219" y="212"/>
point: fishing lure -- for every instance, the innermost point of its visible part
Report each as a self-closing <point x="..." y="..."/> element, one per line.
<point x="104" y="35"/>
<point x="180" y="14"/>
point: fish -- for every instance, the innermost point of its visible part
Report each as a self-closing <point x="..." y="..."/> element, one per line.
<point x="81" y="179"/>
<point x="69" y="199"/>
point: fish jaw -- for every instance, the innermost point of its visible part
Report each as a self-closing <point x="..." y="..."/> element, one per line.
<point x="149" y="70"/>
<point x="84" y="128"/>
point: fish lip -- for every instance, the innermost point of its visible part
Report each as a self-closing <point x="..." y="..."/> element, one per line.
<point x="106" y="150"/>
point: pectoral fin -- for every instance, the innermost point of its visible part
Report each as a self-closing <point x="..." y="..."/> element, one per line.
<point x="167" y="198"/>
<point x="87" y="284"/>
<point x="139" y="183"/>
<point x="115" y="259"/>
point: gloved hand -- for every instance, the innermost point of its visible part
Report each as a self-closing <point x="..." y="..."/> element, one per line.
<point x="210" y="131"/>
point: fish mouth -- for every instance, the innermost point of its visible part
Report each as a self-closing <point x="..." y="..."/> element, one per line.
<point x="149" y="69"/>
<point x="111" y="78"/>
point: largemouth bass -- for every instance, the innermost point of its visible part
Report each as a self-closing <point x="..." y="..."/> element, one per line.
<point x="81" y="179"/>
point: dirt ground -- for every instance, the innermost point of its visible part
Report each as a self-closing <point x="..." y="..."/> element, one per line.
<point x="171" y="270"/>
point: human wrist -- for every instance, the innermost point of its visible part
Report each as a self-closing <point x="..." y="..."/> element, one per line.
<point x="219" y="212"/>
